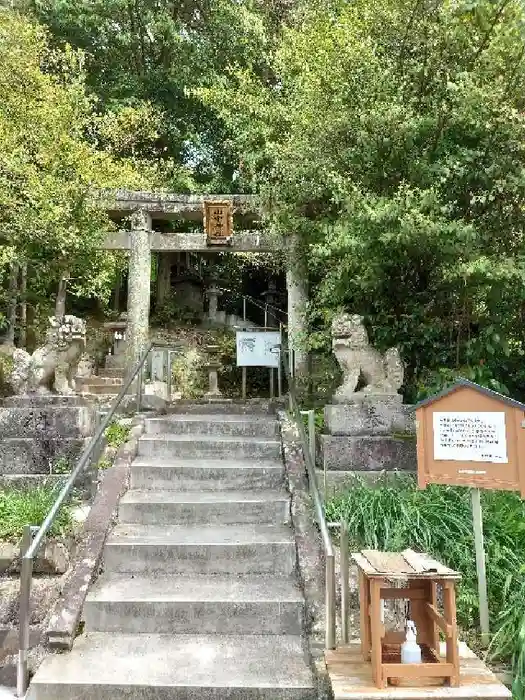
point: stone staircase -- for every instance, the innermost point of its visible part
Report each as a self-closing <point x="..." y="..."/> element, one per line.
<point x="198" y="599"/>
<point x="107" y="383"/>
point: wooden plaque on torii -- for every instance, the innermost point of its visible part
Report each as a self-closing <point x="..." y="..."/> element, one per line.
<point x="218" y="222"/>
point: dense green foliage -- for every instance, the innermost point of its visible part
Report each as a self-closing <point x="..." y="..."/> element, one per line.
<point x="392" y="139"/>
<point x="49" y="218"/>
<point x="145" y="58"/>
<point x="116" y="434"/>
<point x="438" y="520"/>
<point x="389" y="136"/>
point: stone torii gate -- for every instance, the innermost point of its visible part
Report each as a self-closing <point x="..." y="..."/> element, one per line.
<point x="147" y="209"/>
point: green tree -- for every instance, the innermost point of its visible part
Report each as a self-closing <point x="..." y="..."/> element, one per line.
<point x="391" y="138"/>
<point x="150" y="54"/>
<point x="49" y="172"/>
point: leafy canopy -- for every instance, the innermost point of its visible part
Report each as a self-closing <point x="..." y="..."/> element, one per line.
<point x="391" y="138"/>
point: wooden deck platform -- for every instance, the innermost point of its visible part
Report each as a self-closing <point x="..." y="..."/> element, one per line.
<point x="351" y="679"/>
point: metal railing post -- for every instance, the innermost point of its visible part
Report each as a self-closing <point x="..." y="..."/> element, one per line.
<point x="279" y="368"/>
<point x="26" y="574"/>
<point x="330" y="602"/>
<point x="311" y="433"/>
<point x="317" y="501"/>
<point x="139" y="388"/>
<point x="168" y="377"/>
<point x="345" y="592"/>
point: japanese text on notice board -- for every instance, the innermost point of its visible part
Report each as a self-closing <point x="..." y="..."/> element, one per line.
<point x="470" y="437"/>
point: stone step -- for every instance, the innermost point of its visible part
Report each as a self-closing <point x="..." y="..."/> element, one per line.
<point x="166" y="446"/>
<point x="103" y="389"/>
<point x="208" y="507"/>
<point x="98" y="381"/>
<point x="182" y="667"/>
<point x="258" y="407"/>
<point x="198" y="605"/>
<point x="208" y="475"/>
<point x="118" y="372"/>
<point x="201" y="549"/>
<point x="215" y="424"/>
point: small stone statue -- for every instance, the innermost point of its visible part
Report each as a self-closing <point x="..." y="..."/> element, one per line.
<point x="51" y="367"/>
<point x="359" y="360"/>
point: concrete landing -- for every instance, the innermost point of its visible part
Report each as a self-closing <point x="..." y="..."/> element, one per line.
<point x="166" y="667"/>
<point x="351" y="679"/>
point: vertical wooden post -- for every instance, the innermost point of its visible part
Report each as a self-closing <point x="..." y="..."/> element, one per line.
<point x="364" y="610"/>
<point x="376" y="629"/>
<point x="477" y="518"/>
<point x="449" y="605"/>
<point x="244" y="382"/>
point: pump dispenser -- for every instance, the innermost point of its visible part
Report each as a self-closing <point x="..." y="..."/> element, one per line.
<point x="410" y="649"/>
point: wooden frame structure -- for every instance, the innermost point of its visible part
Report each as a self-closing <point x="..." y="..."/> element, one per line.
<point x="420" y="577"/>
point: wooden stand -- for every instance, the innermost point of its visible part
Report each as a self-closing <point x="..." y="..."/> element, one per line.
<point x="420" y="576"/>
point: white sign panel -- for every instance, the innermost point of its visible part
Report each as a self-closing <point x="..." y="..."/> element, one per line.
<point x="470" y="437"/>
<point x="258" y="348"/>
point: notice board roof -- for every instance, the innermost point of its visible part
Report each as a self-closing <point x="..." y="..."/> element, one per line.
<point x="462" y="383"/>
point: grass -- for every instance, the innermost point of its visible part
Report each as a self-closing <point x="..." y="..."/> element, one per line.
<point x="438" y="520"/>
<point x="20" y="507"/>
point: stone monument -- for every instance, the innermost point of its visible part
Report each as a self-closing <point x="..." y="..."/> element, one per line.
<point x="369" y="428"/>
<point x="45" y="422"/>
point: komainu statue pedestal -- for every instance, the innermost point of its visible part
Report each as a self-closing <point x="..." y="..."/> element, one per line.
<point x="370" y="430"/>
<point x="43" y="435"/>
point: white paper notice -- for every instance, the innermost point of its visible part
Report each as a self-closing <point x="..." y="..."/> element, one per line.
<point x="470" y="437"/>
<point x="258" y="348"/>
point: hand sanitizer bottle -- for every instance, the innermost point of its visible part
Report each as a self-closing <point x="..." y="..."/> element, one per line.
<point x="410" y="649"/>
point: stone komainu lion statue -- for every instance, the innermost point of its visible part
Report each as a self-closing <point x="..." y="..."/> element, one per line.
<point x="51" y="367"/>
<point x="382" y="374"/>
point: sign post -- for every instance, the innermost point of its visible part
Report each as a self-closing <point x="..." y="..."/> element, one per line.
<point x="477" y="518"/>
<point x="471" y="436"/>
<point x="258" y="348"/>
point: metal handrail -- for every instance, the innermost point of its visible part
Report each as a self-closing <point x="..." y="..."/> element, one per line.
<point x="263" y="306"/>
<point x="32" y="547"/>
<point x="318" y="506"/>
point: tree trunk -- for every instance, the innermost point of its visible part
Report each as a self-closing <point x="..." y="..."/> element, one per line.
<point x="116" y="293"/>
<point x="23" y="307"/>
<point x="60" y="304"/>
<point x="13" y="301"/>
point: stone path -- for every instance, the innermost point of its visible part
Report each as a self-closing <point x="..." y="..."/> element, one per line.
<point x="198" y="599"/>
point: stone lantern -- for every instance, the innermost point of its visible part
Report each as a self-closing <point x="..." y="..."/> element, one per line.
<point x="213" y="364"/>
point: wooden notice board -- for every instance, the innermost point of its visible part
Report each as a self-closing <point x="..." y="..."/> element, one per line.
<point x="218" y="222"/>
<point x="471" y="436"/>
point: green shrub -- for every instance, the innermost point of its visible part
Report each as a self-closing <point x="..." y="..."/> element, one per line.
<point x="188" y="374"/>
<point x="20" y="507"/>
<point x="395" y="515"/>
<point x="6" y="367"/>
<point x="61" y="466"/>
<point x="117" y="434"/>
